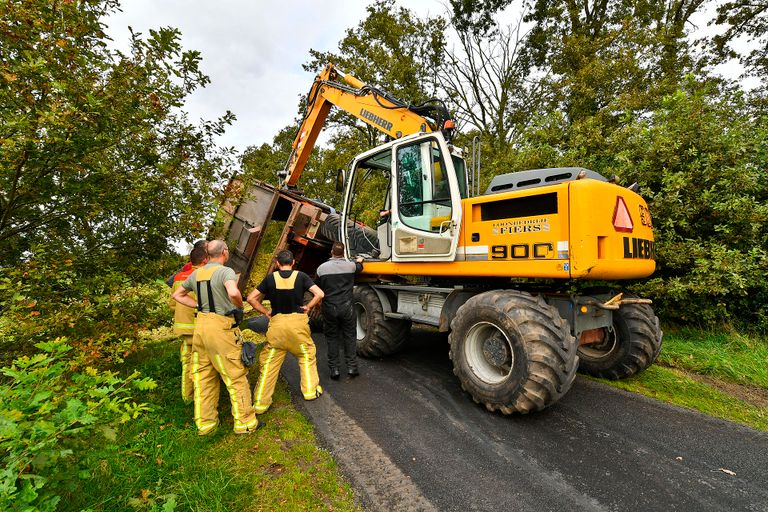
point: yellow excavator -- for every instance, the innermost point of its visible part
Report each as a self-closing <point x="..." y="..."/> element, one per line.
<point x="494" y="268"/>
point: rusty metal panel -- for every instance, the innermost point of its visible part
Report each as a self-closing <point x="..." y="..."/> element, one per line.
<point x="249" y="222"/>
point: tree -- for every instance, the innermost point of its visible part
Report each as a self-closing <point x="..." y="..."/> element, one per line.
<point x="599" y="51"/>
<point x="476" y="17"/>
<point x="490" y="83"/>
<point x="96" y="156"/>
<point x="748" y="19"/>
<point x="391" y="48"/>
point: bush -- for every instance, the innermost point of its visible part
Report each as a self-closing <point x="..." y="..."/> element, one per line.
<point x="101" y="314"/>
<point x="51" y="407"/>
<point x="699" y="157"/>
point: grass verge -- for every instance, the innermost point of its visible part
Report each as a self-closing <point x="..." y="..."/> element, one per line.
<point x="720" y="374"/>
<point x="158" y="462"/>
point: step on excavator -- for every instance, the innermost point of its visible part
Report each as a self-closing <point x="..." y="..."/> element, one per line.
<point x="495" y="268"/>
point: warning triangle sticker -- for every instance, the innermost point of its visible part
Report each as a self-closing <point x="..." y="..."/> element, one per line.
<point x="622" y="221"/>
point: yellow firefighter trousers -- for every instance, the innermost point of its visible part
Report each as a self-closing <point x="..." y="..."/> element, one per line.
<point x="287" y="333"/>
<point x="185" y="354"/>
<point x="216" y="355"/>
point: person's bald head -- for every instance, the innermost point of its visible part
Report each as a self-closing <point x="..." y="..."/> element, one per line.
<point x="217" y="248"/>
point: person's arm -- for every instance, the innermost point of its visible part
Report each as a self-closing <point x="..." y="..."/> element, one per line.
<point x="254" y="299"/>
<point x="234" y="293"/>
<point x="181" y="295"/>
<point x="318" y="296"/>
<point x="358" y="264"/>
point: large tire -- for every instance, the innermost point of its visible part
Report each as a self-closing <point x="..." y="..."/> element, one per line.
<point x="512" y="352"/>
<point x="360" y="239"/>
<point x="377" y="335"/>
<point x="630" y="346"/>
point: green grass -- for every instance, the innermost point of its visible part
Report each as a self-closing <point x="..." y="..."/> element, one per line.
<point x="725" y="359"/>
<point x="160" y="463"/>
<point x="730" y="356"/>
<point x="675" y="387"/>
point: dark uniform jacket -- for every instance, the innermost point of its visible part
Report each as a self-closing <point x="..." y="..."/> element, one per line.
<point x="336" y="277"/>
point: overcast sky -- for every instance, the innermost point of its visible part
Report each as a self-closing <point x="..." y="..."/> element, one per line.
<point x="252" y="51"/>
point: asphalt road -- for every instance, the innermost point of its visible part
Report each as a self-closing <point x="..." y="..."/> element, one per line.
<point x="409" y="438"/>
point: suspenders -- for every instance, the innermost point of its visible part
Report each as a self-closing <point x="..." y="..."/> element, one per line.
<point x="205" y="275"/>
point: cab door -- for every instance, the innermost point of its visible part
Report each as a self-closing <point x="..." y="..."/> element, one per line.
<point x="426" y="201"/>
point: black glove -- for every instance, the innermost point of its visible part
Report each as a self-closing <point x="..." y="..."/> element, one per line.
<point x="237" y="314"/>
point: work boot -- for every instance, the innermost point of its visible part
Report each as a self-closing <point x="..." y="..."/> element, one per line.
<point x="261" y="425"/>
<point x="353" y="373"/>
<point x="335" y="374"/>
<point x="318" y="393"/>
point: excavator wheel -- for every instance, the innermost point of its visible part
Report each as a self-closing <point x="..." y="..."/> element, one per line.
<point x="512" y="352"/>
<point x="631" y="345"/>
<point x="377" y="335"/>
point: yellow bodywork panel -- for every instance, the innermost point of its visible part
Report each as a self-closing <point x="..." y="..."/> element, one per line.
<point x="583" y="229"/>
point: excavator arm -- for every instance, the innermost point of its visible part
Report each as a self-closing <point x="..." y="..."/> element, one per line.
<point x="332" y="87"/>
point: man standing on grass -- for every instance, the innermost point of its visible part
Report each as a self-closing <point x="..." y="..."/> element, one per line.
<point x="216" y="343"/>
<point x="184" y="322"/>
<point x="288" y="329"/>
<point x="336" y="277"/>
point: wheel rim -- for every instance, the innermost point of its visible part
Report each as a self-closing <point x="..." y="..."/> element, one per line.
<point x="361" y="321"/>
<point x="489" y="353"/>
<point x="601" y="350"/>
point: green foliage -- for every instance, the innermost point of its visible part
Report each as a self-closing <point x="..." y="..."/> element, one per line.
<point x="51" y="407"/>
<point x="96" y="156"/>
<point x="392" y="48"/>
<point x="101" y="315"/>
<point x="744" y="19"/>
<point x="159" y="462"/>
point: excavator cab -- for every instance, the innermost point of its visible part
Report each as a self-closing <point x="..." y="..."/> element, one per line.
<point x="411" y="191"/>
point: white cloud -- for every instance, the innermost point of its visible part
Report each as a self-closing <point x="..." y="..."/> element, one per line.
<point x="252" y="51"/>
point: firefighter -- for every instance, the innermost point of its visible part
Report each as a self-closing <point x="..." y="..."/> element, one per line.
<point x="336" y="277"/>
<point x="216" y="346"/>
<point x="187" y="266"/>
<point x="288" y="330"/>
<point x="184" y="322"/>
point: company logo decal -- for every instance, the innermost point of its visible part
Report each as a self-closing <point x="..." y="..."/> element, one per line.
<point x="639" y="248"/>
<point x="511" y="227"/>
<point x="379" y="121"/>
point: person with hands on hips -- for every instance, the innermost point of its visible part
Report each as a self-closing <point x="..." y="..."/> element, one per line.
<point x="288" y="330"/>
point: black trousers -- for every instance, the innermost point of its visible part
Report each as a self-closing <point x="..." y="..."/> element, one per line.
<point x="339" y="326"/>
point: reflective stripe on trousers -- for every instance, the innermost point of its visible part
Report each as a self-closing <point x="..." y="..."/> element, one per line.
<point x="185" y="355"/>
<point x="217" y="358"/>
<point x="287" y="333"/>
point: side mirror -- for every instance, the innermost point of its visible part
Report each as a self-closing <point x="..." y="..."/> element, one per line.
<point x="340" y="179"/>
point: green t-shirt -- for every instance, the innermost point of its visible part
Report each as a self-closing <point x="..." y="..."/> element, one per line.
<point x="220" y="296"/>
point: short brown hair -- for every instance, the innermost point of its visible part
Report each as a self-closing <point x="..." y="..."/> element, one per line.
<point x="337" y="249"/>
<point x="198" y="255"/>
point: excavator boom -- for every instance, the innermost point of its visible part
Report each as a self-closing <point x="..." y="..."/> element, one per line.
<point x="332" y="87"/>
